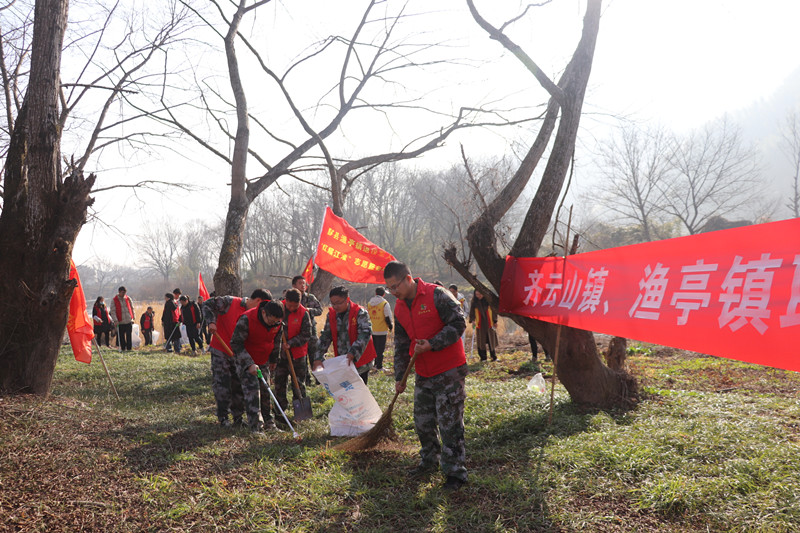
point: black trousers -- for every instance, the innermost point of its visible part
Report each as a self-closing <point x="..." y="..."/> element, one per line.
<point x="379" y="341"/>
<point x="125" y="336"/>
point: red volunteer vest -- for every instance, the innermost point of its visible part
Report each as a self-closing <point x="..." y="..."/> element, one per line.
<point x="118" y="307"/>
<point x="422" y="321"/>
<point x="293" y="323"/>
<point x="148" y="321"/>
<point x="352" y="334"/>
<point x="226" y="323"/>
<point x="260" y="339"/>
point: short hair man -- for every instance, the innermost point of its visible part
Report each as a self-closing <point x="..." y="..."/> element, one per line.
<point x="428" y="324"/>
<point x="298" y="331"/>
<point x="256" y="343"/>
<point x="192" y="318"/>
<point x="348" y="328"/>
<point x="314" y="308"/>
<point x="221" y="314"/>
<point x="171" y="322"/>
<point x="380" y="314"/>
<point x="122" y="316"/>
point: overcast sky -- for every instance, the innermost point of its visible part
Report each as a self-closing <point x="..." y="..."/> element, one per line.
<point x="680" y="63"/>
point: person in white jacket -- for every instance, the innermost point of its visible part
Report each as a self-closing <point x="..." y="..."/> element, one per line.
<point x="380" y="314"/>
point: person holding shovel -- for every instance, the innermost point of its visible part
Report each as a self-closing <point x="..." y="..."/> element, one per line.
<point x="298" y="333"/>
<point x="256" y="343"/>
<point x="221" y="314"/>
<point x="428" y="325"/>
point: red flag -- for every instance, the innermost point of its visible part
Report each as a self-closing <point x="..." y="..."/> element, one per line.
<point x="345" y="253"/>
<point x="201" y="287"/>
<point x="732" y="293"/>
<point x="79" y="325"/>
<point x="308" y="271"/>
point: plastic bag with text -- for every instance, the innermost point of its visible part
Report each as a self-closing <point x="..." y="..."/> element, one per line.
<point x="354" y="410"/>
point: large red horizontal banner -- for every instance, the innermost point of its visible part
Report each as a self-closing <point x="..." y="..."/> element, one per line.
<point x="345" y="253"/>
<point x="732" y="293"/>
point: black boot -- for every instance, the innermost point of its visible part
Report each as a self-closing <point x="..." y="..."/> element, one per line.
<point x="494" y="355"/>
<point x="482" y="354"/>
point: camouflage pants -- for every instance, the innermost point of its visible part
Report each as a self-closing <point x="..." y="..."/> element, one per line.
<point x="256" y="396"/>
<point x="226" y="386"/>
<point x="283" y="378"/>
<point x="439" y="411"/>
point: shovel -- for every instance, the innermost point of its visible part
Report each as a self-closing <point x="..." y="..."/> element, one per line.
<point x="301" y="404"/>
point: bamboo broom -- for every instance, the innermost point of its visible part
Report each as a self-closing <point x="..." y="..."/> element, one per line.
<point x="383" y="428"/>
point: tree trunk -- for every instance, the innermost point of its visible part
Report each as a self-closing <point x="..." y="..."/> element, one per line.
<point x="40" y="220"/>
<point x="322" y="284"/>
<point x="578" y="364"/>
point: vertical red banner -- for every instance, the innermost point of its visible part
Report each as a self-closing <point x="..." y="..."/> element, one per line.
<point x="201" y="287"/>
<point x="79" y="326"/>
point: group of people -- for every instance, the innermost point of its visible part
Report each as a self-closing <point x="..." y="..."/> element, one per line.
<point x="262" y="334"/>
<point x="178" y="309"/>
<point x="119" y="319"/>
<point x="259" y="333"/>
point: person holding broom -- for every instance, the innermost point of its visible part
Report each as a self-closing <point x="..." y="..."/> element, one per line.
<point x="428" y="324"/>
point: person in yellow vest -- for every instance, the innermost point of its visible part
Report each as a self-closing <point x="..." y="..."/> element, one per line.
<point x="485" y="320"/>
<point x="380" y="314"/>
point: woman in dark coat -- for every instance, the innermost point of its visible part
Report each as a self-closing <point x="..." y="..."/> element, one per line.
<point x="102" y="322"/>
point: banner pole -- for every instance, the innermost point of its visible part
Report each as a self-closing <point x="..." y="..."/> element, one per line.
<point x="558" y="331"/>
<point x="105" y="368"/>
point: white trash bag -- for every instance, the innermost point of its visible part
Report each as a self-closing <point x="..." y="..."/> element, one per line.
<point x="537" y="384"/>
<point x="136" y="340"/>
<point x="354" y="411"/>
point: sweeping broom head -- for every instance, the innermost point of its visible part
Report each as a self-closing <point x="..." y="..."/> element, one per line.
<point x="382" y="430"/>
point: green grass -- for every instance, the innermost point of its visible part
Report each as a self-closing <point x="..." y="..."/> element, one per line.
<point x="700" y="452"/>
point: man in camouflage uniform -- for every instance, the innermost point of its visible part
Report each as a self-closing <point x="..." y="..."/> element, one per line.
<point x="256" y="342"/>
<point x="353" y="333"/>
<point x="298" y="331"/>
<point x="224" y="379"/>
<point x="436" y="321"/>
<point x="314" y="308"/>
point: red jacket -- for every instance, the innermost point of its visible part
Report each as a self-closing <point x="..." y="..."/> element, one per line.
<point x="226" y="324"/>
<point x="260" y="338"/>
<point x="293" y="323"/>
<point x="422" y="321"/>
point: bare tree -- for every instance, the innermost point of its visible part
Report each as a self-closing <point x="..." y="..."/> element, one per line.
<point x="790" y="145"/>
<point x="635" y="167"/>
<point x="298" y="135"/>
<point x="42" y="215"/>
<point x="160" y="247"/>
<point x="578" y="364"/>
<point x="712" y="174"/>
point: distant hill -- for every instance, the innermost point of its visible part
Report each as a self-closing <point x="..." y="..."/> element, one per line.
<point x="761" y="123"/>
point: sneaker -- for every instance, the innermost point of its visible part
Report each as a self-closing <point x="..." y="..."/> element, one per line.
<point x="453" y="483"/>
<point x="225" y="423"/>
<point x="422" y="470"/>
<point x="270" y="426"/>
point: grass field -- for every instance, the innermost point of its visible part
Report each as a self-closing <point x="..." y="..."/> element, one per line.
<point x="712" y="446"/>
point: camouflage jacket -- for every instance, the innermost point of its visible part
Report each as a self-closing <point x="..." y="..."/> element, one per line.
<point x="310" y="302"/>
<point x="240" y="334"/>
<point x="219" y="305"/>
<point x="343" y="338"/>
<point x="305" y="331"/>
<point x="452" y="315"/>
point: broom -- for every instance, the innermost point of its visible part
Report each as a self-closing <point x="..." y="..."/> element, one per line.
<point x="382" y="430"/>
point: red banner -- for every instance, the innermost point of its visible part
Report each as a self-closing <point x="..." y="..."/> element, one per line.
<point x="732" y="293"/>
<point x="79" y="325"/>
<point x="345" y="253"/>
<point x="201" y="287"/>
<point x="308" y="271"/>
